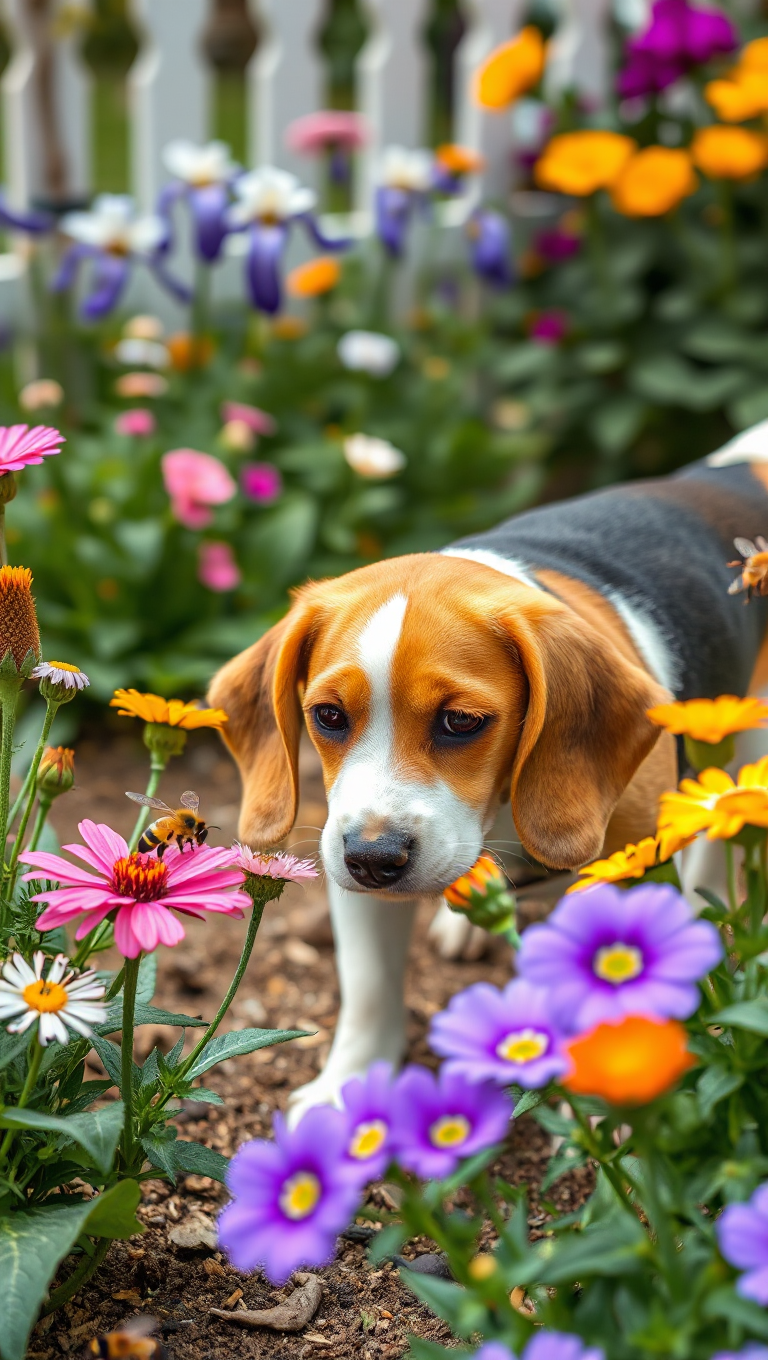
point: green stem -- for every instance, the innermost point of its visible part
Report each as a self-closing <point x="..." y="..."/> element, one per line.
<point x="201" y="301"/>
<point x="155" y="770"/>
<point x="126" y="1054"/>
<point x="9" y="694"/>
<point x="730" y="864"/>
<point x="43" y="808"/>
<point x="3" y="548"/>
<point x="52" y="708"/>
<point x="21" y="797"/>
<point x="727" y="237"/>
<point x="80" y="1276"/>
<point x="611" y="1174"/>
<point x="27" y="1089"/>
<point x="598" y="252"/>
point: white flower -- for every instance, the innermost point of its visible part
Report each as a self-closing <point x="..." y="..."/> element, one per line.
<point x="199" y="165"/>
<point x="371" y="457"/>
<point x="61" y="673"/>
<point x="134" y="352"/>
<point x="270" y="196"/>
<point x="369" y="352"/>
<point x="402" y="169"/>
<point x="60" y="1000"/>
<point x="112" y="225"/>
<point x="144" y="326"/>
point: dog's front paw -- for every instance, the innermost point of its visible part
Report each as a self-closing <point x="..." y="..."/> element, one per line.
<point x="322" y="1091"/>
<point x="454" y="937"/>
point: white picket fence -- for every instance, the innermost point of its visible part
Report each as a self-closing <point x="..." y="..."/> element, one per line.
<point x="170" y="89"/>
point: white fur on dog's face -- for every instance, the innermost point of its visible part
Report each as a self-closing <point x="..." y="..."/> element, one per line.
<point x="373" y="793"/>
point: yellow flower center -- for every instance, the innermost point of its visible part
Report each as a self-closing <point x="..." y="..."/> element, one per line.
<point x="45" y="996"/>
<point x="523" y="1046"/>
<point x="618" y="963"/>
<point x="367" y="1139"/>
<point x="450" y="1130"/>
<point x="64" y="666"/>
<point x="139" y="877"/>
<point x="299" y="1195"/>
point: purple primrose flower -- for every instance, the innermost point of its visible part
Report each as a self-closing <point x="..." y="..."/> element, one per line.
<point x="742" y="1235"/>
<point x="504" y="1036"/>
<point x="490" y="240"/>
<point x="436" y="1121"/>
<point x="291" y="1198"/>
<point x="543" y="1345"/>
<point x="678" y="37"/>
<point x="202" y="174"/>
<point x="367" y="1102"/>
<point x="607" y="953"/>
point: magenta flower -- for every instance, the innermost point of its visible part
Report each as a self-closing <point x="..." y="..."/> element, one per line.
<point x="367" y="1102"/>
<point x="216" y="567"/>
<point x="20" y="446"/>
<point x="289" y="868"/>
<point x="504" y="1036"/>
<point x="138" y="422"/>
<point x="291" y="1198"/>
<point x="261" y="482"/>
<point x="261" y="422"/>
<point x="549" y="328"/>
<point x="678" y="37"/>
<point x="556" y="245"/>
<point x="742" y="1235"/>
<point x="139" y="892"/>
<point x="605" y="953"/>
<point x="195" y="481"/>
<point x="436" y="1121"/>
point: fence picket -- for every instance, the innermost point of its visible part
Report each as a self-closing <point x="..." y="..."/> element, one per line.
<point x="285" y="81"/>
<point x="391" y="78"/>
<point x="578" y="52"/>
<point x="489" y="22"/>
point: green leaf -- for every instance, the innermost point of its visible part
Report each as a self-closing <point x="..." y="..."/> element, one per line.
<point x="240" y="1041"/>
<point x="158" y="1152"/>
<point x="198" y="1159"/>
<point x="519" y="362"/>
<point x="750" y="407"/>
<point x="666" y="378"/>
<point x="204" y="1094"/>
<point x="114" y="1213"/>
<point x="147" y="980"/>
<point x="148" y="1015"/>
<point x="110" y="1057"/>
<point x="464" y="1314"/>
<point x="615" y="423"/>
<point x="726" y="1303"/>
<point x="97" y="1131"/>
<point x="387" y="1243"/>
<point x="11" y="1047"/>
<point x="525" y="1101"/>
<point x="419" y="1349"/>
<point x="612" y="1247"/>
<point x="714" y="1085"/>
<point x="750" y="1015"/>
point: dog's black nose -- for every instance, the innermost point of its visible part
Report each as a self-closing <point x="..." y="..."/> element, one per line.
<point x="379" y="863"/>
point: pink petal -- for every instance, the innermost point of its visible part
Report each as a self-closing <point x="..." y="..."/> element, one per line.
<point x="76" y="899"/>
<point x="104" y="842"/>
<point x="125" y="938"/>
<point x="53" y="866"/>
<point x="93" y="918"/>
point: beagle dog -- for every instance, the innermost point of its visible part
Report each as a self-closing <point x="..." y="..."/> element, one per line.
<point x="514" y="667"/>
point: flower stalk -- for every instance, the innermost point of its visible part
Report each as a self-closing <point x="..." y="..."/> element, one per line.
<point x="51" y="709"/>
<point x="130" y="984"/>
<point x="30" y="1081"/>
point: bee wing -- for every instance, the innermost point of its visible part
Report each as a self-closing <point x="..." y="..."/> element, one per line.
<point x="736" y="586"/>
<point x="745" y="547"/>
<point x="761" y="543"/>
<point x="149" y="802"/>
<point x="190" y="800"/>
<point x="141" y="1325"/>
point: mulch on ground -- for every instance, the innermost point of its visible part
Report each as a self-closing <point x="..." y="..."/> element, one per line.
<point x="291" y="983"/>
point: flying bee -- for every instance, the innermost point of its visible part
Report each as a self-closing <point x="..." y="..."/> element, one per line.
<point x="181" y="824"/>
<point x="132" y="1341"/>
<point x="754" y="567"/>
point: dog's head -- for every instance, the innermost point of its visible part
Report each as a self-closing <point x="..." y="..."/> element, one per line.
<point x="433" y="687"/>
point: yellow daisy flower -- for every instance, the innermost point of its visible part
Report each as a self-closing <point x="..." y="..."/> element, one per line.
<point x="173" y="712"/>
<point x="715" y="804"/>
<point x="710" y="720"/>
<point x="631" y="862"/>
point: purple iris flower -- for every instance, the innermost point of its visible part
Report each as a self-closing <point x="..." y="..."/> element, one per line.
<point x="367" y="1102"/>
<point x="291" y="1198"/>
<point x="203" y="175"/>
<point x="405" y="180"/>
<point x="544" y="1346"/>
<point x="742" y="1235"/>
<point x="606" y="953"/>
<point x="437" y="1121"/>
<point x="14" y="219"/>
<point x="678" y="36"/>
<point x="490" y="240"/>
<point x="506" y="1036"/>
<point x="269" y="201"/>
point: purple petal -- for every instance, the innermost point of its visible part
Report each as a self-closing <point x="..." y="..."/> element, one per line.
<point x="108" y="280"/>
<point x="265" y="253"/>
<point x="209" y="205"/>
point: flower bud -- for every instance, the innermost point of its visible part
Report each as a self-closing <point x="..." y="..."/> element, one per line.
<point x="163" y="741"/>
<point x="7" y="488"/>
<point x="56" y="772"/>
<point x="482" y="894"/>
<point x="19" y="633"/>
<point x="59" y="682"/>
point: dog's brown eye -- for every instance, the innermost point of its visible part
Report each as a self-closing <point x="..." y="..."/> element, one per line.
<point x="330" y="718"/>
<point x="459" y="724"/>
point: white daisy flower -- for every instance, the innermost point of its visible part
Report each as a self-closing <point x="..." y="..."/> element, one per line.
<point x="135" y="352"/>
<point x="371" y="457"/>
<point x="61" y="673"/>
<point x="62" y="999"/>
<point x="199" y="165"/>
<point x="112" y="225"/>
<point x="403" y="169"/>
<point x="368" y="352"/>
<point x="270" y="196"/>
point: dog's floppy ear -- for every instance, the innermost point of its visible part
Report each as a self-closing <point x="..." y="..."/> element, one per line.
<point x="258" y="690"/>
<point x="585" y="733"/>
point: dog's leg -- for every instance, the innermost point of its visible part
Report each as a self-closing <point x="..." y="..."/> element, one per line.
<point x="372" y="936"/>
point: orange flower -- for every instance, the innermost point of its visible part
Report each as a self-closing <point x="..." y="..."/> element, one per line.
<point x="19" y="633"/>
<point x="754" y="57"/>
<point x="188" y="352"/>
<point x="289" y="327"/>
<point x="580" y="163"/>
<point x="715" y="804"/>
<point x="172" y="712"/>
<point x="710" y="720"/>
<point x="510" y="70"/>
<point x="630" y="1062"/>
<point x="459" y="160"/>
<point x="654" y="182"/>
<point x="56" y="771"/>
<point x="744" y="95"/>
<point x="484" y="872"/>
<point x="314" y="278"/>
<point x="729" y="152"/>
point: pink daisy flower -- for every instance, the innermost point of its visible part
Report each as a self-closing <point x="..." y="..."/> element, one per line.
<point x="20" y="446"/>
<point x="287" y="867"/>
<point x="261" y="422"/>
<point x="140" y="892"/>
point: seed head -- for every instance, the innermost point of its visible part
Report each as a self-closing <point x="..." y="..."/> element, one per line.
<point x="19" y="633"/>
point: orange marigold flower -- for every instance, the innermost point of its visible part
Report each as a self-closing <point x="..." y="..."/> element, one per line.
<point x="729" y="152"/>
<point x="314" y="278"/>
<point x="19" y="633"/>
<point x="744" y="94"/>
<point x="630" y="1062"/>
<point x="173" y="712"/>
<point x="459" y="160"/>
<point x="754" y="57"/>
<point x="510" y="70"/>
<point x="654" y="182"/>
<point x="580" y="163"/>
<point x="289" y="327"/>
<point x="189" y="351"/>
<point x="715" y="804"/>
<point x="484" y="871"/>
<point x="710" y="720"/>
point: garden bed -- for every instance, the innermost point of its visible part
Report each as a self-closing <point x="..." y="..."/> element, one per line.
<point x="291" y="982"/>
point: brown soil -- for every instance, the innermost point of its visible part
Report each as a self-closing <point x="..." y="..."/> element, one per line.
<point x="291" y="983"/>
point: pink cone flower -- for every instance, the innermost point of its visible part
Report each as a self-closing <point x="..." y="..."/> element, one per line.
<point x="261" y="422"/>
<point x="194" y="481"/>
<point x="277" y="864"/>
<point x="139" y="422"/>
<point x="310" y="135"/>
<point x="20" y="446"/>
<point x="140" y="892"/>
<point x="261" y="482"/>
<point x="217" y="568"/>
